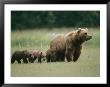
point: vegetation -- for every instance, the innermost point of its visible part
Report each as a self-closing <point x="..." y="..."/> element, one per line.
<point x="88" y="64"/>
<point x="52" y="19"/>
<point x="35" y="30"/>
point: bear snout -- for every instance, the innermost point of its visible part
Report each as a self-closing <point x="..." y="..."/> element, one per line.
<point x="89" y="37"/>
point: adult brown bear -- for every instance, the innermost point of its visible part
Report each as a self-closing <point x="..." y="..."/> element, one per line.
<point x="20" y="55"/>
<point x="69" y="46"/>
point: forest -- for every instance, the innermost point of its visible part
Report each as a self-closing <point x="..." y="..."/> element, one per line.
<point x="54" y="19"/>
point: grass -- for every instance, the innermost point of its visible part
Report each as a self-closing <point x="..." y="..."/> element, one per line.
<point x="88" y="64"/>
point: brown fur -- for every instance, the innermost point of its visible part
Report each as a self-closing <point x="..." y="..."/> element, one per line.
<point x="69" y="45"/>
<point x="36" y="54"/>
<point x="20" y="55"/>
<point x="50" y="55"/>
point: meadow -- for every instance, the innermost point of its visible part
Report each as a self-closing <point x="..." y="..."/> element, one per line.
<point x="88" y="65"/>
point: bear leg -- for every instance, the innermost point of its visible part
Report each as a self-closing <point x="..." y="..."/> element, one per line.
<point x="77" y="54"/>
<point x="30" y="59"/>
<point x="53" y="59"/>
<point x="39" y="60"/>
<point x="68" y="56"/>
<point x="33" y="60"/>
<point x="25" y="60"/>
<point x="48" y="59"/>
<point x="19" y="61"/>
<point x="12" y="60"/>
<point x="60" y="57"/>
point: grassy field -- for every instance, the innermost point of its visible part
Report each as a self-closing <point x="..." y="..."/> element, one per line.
<point x="88" y="64"/>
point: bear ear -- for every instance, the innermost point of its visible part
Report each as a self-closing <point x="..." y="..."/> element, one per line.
<point x="86" y="28"/>
<point x="79" y="29"/>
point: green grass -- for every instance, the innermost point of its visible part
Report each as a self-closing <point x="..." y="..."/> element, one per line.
<point x="88" y="64"/>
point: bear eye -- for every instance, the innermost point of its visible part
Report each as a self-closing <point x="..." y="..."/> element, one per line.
<point x="85" y="33"/>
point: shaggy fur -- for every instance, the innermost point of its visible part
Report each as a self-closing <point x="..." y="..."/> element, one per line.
<point x="20" y="55"/>
<point x="69" y="45"/>
<point x="36" y="54"/>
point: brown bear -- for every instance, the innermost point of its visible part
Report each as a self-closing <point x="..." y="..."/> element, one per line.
<point x="69" y="46"/>
<point x="36" y="54"/>
<point x="57" y="45"/>
<point x="50" y="55"/>
<point x="20" y="55"/>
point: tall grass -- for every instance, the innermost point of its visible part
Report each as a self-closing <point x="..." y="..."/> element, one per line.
<point x="40" y="39"/>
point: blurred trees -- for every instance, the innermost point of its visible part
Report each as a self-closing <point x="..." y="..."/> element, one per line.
<point x="50" y="19"/>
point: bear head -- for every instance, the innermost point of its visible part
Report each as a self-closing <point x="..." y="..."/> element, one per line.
<point x="83" y="34"/>
<point x="43" y="54"/>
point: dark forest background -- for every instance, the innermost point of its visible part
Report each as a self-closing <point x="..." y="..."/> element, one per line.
<point x="52" y="19"/>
